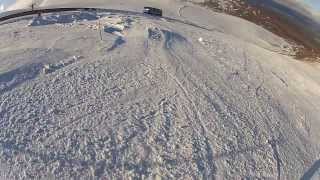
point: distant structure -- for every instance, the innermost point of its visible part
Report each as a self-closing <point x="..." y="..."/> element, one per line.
<point x="33" y="5"/>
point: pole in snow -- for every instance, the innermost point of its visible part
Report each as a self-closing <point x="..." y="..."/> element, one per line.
<point x="33" y="5"/>
<point x="100" y="28"/>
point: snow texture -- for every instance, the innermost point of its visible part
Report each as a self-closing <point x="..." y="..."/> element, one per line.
<point x="119" y="96"/>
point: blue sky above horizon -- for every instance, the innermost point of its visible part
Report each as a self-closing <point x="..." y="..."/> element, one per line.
<point x="315" y="4"/>
<point x="6" y="3"/>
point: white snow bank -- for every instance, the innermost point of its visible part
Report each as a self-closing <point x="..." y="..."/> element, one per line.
<point x="63" y="18"/>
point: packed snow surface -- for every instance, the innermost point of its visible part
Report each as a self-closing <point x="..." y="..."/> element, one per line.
<point x="93" y="95"/>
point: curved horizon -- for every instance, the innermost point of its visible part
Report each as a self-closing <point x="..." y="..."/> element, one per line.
<point x="313" y="4"/>
<point x="308" y="8"/>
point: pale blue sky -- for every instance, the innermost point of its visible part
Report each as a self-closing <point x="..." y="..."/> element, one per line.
<point x="315" y="4"/>
<point x="6" y="2"/>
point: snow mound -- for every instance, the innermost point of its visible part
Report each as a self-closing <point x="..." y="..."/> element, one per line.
<point x="67" y="18"/>
<point x="154" y="33"/>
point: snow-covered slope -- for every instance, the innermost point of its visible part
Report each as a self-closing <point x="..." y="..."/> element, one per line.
<point x="112" y="95"/>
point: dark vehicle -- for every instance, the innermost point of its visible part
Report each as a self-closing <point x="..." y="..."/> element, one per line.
<point x="152" y="11"/>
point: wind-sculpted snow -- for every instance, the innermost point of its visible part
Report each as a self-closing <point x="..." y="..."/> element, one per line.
<point x="118" y="42"/>
<point x="29" y="70"/>
<point x="135" y="97"/>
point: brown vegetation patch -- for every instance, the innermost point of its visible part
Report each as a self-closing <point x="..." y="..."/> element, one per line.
<point x="305" y="47"/>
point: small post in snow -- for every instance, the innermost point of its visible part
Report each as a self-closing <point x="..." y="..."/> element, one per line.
<point x="100" y="28"/>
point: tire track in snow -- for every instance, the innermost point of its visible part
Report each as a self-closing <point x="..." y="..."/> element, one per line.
<point x="203" y="132"/>
<point x="198" y="116"/>
<point x="276" y="155"/>
<point x="201" y="145"/>
<point x="180" y="10"/>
